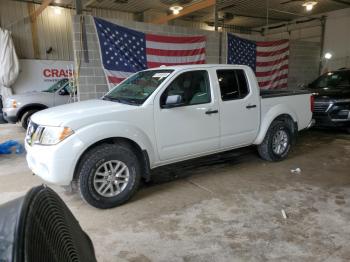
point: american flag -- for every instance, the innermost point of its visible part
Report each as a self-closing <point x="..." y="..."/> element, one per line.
<point x="269" y="59"/>
<point x="125" y="51"/>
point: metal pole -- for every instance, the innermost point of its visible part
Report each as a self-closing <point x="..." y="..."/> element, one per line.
<point x="79" y="11"/>
<point x="267" y="17"/>
<point x="323" y="30"/>
<point x="216" y="16"/>
<point x="78" y="7"/>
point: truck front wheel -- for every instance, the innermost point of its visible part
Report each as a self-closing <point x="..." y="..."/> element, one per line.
<point x="25" y="119"/>
<point x="277" y="142"/>
<point x="109" y="175"/>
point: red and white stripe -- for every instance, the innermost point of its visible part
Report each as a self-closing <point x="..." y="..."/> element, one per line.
<point x="115" y="77"/>
<point x="174" y="50"/>
<point x="168" y="51"/>
<point x="272" y="64"/>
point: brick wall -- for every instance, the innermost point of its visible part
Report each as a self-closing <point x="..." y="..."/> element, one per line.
<point x="92" y="82"/>
<point x="303" y="67"/>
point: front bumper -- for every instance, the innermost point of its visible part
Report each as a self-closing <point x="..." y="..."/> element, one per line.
<point x="326" y="121"/>
<point x="55" y="164"/>
<point x="332" y="113"/>
<point x="10" y="114"/>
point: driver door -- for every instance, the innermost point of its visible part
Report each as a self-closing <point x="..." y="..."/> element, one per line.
<point x="192" y="126"/>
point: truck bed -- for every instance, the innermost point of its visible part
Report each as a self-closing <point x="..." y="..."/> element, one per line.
<point x="278" y="93"/>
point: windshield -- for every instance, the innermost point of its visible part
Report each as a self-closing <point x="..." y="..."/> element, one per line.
<point x="338" y="79"/>
<point x="56" y="86"/>
<point x="137" y="88"/>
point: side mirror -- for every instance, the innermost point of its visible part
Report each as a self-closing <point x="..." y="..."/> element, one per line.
<point x="63" y="92"/>
<point x="173" y="101"/>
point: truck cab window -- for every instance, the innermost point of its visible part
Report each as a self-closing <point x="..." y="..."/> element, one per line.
<point x="233" y="84"/>
<point x="193" y="87"/>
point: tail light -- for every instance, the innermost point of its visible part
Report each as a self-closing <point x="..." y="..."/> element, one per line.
<point x="312" y="103"/>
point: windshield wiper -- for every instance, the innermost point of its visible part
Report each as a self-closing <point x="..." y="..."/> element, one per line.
<point x="121" y="100"/>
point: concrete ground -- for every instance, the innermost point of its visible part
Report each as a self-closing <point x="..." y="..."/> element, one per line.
<point x="221" y="208"/>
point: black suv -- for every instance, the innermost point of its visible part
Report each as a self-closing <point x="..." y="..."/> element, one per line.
<point x="332" y="99"/>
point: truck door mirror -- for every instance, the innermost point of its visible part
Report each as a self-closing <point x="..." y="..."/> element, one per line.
<point x="63" y="92"/>
<point x="173" y="101"/>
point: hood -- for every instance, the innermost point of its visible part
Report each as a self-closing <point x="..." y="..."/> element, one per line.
<point x="331" y="93"/>
<point x="29" y="94"/>
<point x="30" y="97"/>
<point x="80" y="114"/>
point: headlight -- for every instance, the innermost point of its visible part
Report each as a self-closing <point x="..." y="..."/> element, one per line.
<point x="11" y="103"/>
<point x="50" y="135"/>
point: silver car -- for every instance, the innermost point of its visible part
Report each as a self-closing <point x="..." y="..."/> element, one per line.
<point x="21" y="107"/>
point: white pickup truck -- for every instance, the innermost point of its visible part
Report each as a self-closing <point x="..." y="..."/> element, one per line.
<point x="157" y="117"/>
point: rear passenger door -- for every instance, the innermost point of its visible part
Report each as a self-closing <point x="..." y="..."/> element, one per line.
<point x="239" y="108"/>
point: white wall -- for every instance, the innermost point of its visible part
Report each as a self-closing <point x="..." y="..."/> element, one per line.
<point x="337" y="39"/>
<point x="38" y="75"/>
<point x="309" y="31"/>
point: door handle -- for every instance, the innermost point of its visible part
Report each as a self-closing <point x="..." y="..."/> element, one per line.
<point x="250" y="106"/>
<point x="209" y="112"/>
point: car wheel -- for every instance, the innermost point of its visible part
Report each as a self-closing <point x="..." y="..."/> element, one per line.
<point x="109" y="175"/>
<point x="25" y="119"/>
<point x="277" y="142"/>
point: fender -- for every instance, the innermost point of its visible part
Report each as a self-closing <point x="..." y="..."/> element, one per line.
<point x="94" y="133"/>
<point x="271" y="115"/>
<point x="28" y="106"/>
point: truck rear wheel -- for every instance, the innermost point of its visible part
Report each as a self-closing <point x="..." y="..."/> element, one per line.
<point x="109" y="175"/>
<point x="25" y="119"/>
<point x="277" y="142"/>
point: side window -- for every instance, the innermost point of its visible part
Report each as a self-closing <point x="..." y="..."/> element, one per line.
<point x="233" y="84"/>
<point x="242" y="82"/>
<point x="193" y="87"/>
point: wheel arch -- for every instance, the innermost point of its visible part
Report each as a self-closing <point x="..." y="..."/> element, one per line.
<point x="287" y="117"/>
<point x="141" y="154"/>
<point x="28" y="107"/>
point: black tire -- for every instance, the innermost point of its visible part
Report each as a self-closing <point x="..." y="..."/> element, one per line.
<point x="265" y="149"/>
<point x="93" y="160"/>
<point x="25" y="119"/>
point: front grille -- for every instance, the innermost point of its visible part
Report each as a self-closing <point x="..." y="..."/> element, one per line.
<point x="321" y="107"/>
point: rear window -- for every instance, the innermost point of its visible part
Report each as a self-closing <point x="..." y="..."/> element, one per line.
<point x="233" y="84"/>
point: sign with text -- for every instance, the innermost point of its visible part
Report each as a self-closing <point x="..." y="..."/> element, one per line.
<point x="38" y="75"/>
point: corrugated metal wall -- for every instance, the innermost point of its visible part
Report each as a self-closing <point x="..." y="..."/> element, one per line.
<point x="11" y="14"/>
<point x="53" y="30"/>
